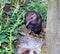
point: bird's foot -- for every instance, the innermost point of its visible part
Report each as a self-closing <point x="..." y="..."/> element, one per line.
<point x="36" y="35"/>
<point x="28" y="32"/>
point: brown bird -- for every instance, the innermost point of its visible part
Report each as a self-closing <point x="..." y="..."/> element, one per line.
<point x="33" y="22"/>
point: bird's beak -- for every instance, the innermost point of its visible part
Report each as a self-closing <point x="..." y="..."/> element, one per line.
<point x="28" y="23"/>
<point x="31" y="19"/>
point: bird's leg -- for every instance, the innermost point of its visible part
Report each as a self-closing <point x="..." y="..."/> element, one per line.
<point x="44" y="30"/>
<point x="28" y="32"/>
<point x="36" y="35"/>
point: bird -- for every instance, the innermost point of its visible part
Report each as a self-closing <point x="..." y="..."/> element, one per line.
<point x="33" y="22"/>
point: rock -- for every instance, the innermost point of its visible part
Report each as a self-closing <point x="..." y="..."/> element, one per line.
<point x="29" y="42"/>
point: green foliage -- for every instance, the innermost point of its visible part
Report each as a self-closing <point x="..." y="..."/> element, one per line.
<point x="10" y="26"/>
<point x="22" y="33"/>
<point x="5" y="1"/>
